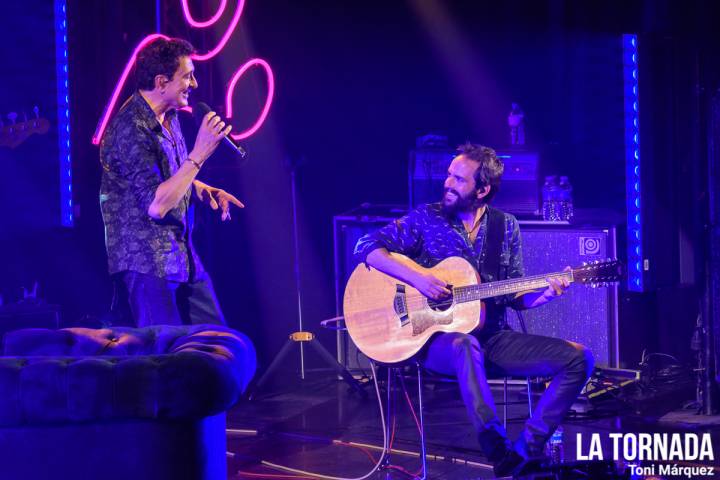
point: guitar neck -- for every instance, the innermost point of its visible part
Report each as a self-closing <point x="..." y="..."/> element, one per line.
<point x="471" y="293"/>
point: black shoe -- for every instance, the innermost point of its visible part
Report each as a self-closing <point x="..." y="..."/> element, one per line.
<point x="508" y="464"/>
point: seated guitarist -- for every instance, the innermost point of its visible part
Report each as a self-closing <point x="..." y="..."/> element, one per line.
<point x="464" y="225"/>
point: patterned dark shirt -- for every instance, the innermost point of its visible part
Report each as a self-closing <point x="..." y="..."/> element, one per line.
<point x="137" y="154"/>
<point x="428" y="236"/>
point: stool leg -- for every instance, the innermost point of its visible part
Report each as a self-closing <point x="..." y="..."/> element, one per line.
<point x="390" y="414"/>
<point x="530" y="401"/>
<point x="505" y="402"/>
<point x="423" y="453"/>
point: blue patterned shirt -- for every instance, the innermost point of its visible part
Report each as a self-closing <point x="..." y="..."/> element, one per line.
<point x="137" y="154"/>
<point x="428" y="236"/>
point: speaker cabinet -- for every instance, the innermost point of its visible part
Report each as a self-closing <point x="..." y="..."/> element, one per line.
<point x="583" y="314"/>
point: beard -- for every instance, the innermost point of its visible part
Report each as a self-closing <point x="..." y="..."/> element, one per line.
<point x="460" y="203"/>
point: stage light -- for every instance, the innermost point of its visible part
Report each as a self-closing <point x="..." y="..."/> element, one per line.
<point x="63" y="113"/>
<point x="633" y="180"/>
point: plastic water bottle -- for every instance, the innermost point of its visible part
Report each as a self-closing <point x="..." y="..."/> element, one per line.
<point x="550" y="202"/>
<point x="554" y="448"/>
<point x="565" y="199"/>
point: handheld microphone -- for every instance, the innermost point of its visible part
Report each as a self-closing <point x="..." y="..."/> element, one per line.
<point x="199" y="111"/>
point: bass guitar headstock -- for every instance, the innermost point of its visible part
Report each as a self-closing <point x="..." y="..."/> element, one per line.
<point x="16" y="132"/>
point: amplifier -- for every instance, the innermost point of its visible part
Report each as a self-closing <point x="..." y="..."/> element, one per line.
<point x="518" y="193"/>
<point x="583" y="314"/>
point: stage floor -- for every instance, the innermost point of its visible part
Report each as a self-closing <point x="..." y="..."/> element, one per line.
<point x="302" y="424"/>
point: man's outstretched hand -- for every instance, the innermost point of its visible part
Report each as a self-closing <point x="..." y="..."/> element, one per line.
<point x="216" y="198"/>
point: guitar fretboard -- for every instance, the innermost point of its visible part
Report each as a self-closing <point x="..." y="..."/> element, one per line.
<point x="471" y="293"/>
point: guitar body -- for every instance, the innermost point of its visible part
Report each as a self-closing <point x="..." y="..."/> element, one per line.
<point x="390" y="321"/>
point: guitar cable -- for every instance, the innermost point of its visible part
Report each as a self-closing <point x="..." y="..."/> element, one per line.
<point x="329" y="477"/>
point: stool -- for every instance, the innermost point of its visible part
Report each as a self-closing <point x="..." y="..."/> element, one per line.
<point x="395" y="372"/>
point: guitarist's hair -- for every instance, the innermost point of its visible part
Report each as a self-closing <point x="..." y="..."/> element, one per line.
<point x="489" y="170"/>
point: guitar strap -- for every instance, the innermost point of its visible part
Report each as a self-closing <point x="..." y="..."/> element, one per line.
<point x="490" y="268"/>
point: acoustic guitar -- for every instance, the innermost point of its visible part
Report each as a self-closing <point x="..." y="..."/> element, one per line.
<point x="390" y="321"/>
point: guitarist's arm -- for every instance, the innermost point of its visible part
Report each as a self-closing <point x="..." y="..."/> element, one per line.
<point x="413" y="274"/>
<point x="537" y="298"/>
<point x="529" y="298"/>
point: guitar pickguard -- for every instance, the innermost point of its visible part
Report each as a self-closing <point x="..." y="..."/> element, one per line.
<point x="425" y="319"/>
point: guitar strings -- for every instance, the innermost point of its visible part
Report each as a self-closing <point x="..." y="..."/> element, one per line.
<point x="420" y="302"/>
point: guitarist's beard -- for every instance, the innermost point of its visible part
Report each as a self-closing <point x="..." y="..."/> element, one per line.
<point x="460" y="204"/>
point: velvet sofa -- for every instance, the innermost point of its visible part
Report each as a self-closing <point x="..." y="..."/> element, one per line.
<point x="119" y="403"/>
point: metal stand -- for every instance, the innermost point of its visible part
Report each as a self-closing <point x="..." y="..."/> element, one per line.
<point x="391" y="418"/>
<point x="300" y="337"/>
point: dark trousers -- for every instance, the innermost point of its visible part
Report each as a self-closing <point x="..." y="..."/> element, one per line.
<point x="517" y="354"/>
<point x="158" y="301"/>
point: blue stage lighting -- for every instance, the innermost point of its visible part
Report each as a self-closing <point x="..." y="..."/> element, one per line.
<point x="632" y="162"/>
<point x="63" y="109"/>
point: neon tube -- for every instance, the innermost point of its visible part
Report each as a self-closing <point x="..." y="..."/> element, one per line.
<point x="207" y="23"/>
<point x="119" y="86"/>
<point x="268" y="101"/>
<point x="110" y="107"/>
<point x="226" y="35"/>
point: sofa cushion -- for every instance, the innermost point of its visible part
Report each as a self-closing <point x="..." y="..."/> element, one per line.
<point x="157" y="372"/>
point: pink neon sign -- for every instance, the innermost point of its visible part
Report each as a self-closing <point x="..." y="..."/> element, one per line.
<point x="197" y="24"/>
<point x="231" y="89"/>
<point x="110" y="107"/>
<point x="118" y="88"/>
<point x="226" y="36"/>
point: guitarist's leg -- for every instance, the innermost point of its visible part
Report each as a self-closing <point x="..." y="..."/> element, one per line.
<point x="460" y="355"/>
<point x="570" y="365"/>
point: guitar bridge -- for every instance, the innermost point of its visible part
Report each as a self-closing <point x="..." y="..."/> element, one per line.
<point x="400" y="305"/>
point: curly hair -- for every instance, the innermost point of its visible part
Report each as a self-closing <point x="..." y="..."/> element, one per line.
<point x="490" y="167"/>
<point x="160" y="57"/>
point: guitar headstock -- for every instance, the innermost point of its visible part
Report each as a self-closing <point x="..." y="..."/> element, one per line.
<point x="16" y="132"/>
<point x="599" y="273"/>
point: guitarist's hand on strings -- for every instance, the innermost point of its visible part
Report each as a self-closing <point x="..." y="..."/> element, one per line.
<point x="557" y="286"/>
<point x="431" y="286"/>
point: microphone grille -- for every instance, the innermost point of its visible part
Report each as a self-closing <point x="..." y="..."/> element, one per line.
<point x="200" y="110"/>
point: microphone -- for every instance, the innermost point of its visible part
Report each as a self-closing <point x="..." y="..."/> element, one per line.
<point x="199" y="111"/>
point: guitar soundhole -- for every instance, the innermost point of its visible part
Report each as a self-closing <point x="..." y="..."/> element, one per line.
<point x="441" y="305"/>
